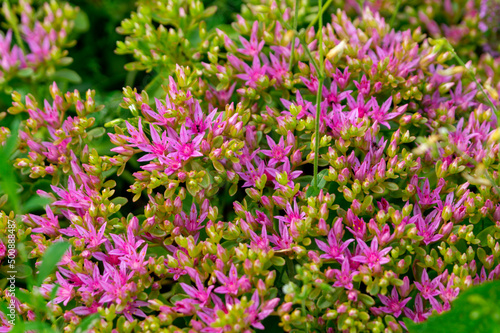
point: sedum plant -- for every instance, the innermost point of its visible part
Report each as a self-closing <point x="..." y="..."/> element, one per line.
<point x="34" y="43"/>
<point x="292" y="173"/>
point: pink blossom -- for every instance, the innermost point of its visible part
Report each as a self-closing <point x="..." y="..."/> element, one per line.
<point x="372" y="255"/>
<point x="184" y="146"/>
<point x="393" y="305"/>
<point x="428" y="288"/>
<point x="344" y="276"/>
<point x="335" y="248"/>
<point x="231" y="284"/>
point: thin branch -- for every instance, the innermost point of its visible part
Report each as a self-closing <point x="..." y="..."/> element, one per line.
<point x="295" y="19"/>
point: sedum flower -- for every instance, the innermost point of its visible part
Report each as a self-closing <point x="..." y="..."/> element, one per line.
<point x="372" y="256"/>
<point x="428" y="288"/>
<point x="335" y="248"/>
<point x="344" y="276"/>
<point x="231" y="284"/>
<point x="393" y="305"/>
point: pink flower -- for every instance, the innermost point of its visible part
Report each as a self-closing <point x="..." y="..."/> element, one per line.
<point x="156" y="150"/>
<point x="358" y="225"/>
<point x="253" y="47"/>
<point x="359" y="105"/>
<point x="278" y="152"/>
<point x="278" y="68"/>
<point x="48" y="225"/>
<point x="292" y="215"/>
<point x="372" y="255"/>
<point x="255" y="313"/>
<point x="306" y="108"/>
<point x="183" y="146"/>
<point x="425" y="195"/>
<point x="231" y="284"/>
<point x="393" y="305"/>
<point x="198" y="123"/>
<point x="193" y="223"/>
<point x="335" y="248"/>
<point x="3" y="249"/>
<point x="91" y="284"/>
<point x="253" y="74"/>
<point x="199" y="294"/>
<point x="65" y="292"/>
<point x="419" y="315"/>
<point x="116" y="283"/>
<point x="428" y="289"/>
<point x="426" y="228"/>
<point x="284" y="240"/>
<point x="380" y="114"/>
<point x="72" y="197"/>
<point x="137" y="135"/>
<point x="252" y="175"/>
<point x="344" y="276"/>
<point x="92" y="237"/>
<point x="284" y="176"/>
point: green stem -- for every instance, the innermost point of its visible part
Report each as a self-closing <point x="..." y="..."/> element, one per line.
<point x="295" y="19"/>
<point x="325" y="7"/>
<point x="304" y="313"/>
<point x="320" y="38"/>
<point x="469" y="71"/>
<point x="319" y="70"/>
<point x="300" y="36"/>
<point x="130" y="78"/>
<point x="290" y="269"/>
<point x="318" y="95"/>
<point x="316" y="126"/>
<point x="471" y="160"/>
<point x="393" y="17"/>
<point x="309" y="54"/>
<point x="10" y="16"/>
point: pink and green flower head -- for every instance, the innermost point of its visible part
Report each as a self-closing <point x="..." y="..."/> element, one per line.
<point x="372" y="256"/>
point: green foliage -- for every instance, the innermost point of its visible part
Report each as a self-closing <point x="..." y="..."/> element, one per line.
<point x="50" y="259"/>
<point x="475" y="310"/>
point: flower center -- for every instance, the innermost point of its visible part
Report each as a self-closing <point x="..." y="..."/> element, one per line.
<point x="187" y="150"/>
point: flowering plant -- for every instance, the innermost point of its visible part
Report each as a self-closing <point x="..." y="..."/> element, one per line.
<point x="288" y="172"/>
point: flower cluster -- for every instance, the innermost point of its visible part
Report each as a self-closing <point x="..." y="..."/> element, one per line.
<point x="162" y="34"/>
<point x="227" y="230"/>
<point x="34" y="46"/>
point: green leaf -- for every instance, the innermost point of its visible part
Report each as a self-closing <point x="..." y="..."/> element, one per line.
<point x="119" y="201"/>
<point x="177" y="298"/>
<point x="321" y="178"/>
<point x="230" y="32"/>
<point x="34" y="203"/>
<point x="205" y="181"/>
<point x="366" y="299"/>
<point x="323" y="303"/>
<point x="312" y="192"/>
<point x="25" y="296"/>
<point x="209" y="11"/>
<point x="96" y="133"/>
<point x="483" y="235"/>
<point x="233" y="189"/>
<point x="50" y="259"/>
<point x="22" y="271"/>
<point x="8" y="181"/>
<point x="278" y="261"/>
<point x="67" y="75"/>
<point x="475" y="310"/>
<point x="88" y="323"/>
<point x="81" y="22"/>
<point x="229" y="245"/>
<point x="391" y="187"/>
<point x="25" y="72"/>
